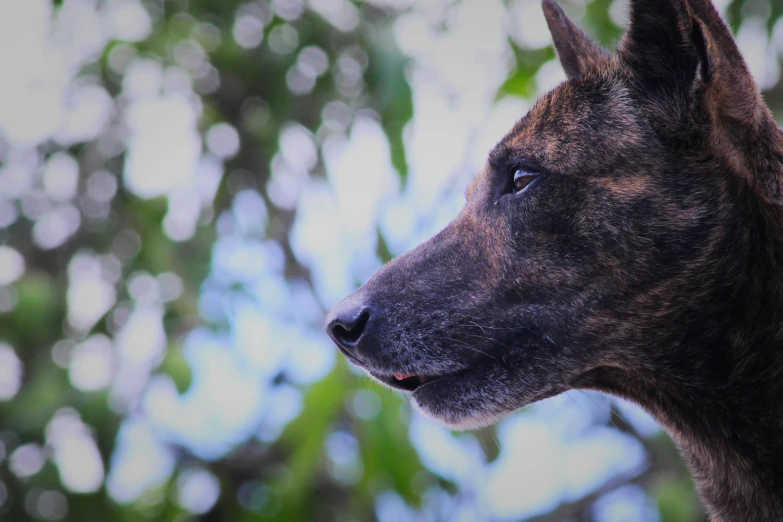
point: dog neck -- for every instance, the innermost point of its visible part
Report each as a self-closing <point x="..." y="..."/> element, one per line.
<point x="720" y="394"/>
<point x="731" y="437"/>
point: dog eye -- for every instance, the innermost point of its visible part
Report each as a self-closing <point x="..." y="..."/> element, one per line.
<point x="523" y="178"/>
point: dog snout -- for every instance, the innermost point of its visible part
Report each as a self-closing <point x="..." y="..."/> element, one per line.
<point x="347" y="324"/>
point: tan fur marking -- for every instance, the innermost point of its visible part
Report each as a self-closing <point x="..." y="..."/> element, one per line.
<point x="629" y="187"/>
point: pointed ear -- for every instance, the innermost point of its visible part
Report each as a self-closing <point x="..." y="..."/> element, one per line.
<point x="665" y="45"/>
<point x="577" y="52"/>
<point x="732" y="94"/>
<point x="684" y="50"/>
<point x="684" y="46"/>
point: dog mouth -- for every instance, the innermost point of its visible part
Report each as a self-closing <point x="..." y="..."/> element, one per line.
<point x="404" y="381"/>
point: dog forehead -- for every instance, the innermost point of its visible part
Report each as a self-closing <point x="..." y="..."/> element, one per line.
<point x="581" y="124"/>
<point x="576" y="122"/>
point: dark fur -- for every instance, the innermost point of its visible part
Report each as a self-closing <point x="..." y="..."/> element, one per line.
<point x="644" y="261"/>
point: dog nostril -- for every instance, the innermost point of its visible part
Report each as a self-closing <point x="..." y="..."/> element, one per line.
<point x="347" y="328"/>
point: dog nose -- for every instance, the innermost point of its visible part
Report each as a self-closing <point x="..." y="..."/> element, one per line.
<point x="345" y="325"/>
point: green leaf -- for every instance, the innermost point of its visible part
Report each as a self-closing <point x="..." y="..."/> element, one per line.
<point x="38" y="314"/>
<point x="522" y="81"/>
<point x="387" y="453"/>
<point x="383" y="251"/>
<point x="177" y="367"/>
<point x="677" y="500"/>
<point x="304" y="440"/>
<point x="386" y="77"/>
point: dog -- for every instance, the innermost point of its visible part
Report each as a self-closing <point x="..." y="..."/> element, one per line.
<point x="625" y="236"/>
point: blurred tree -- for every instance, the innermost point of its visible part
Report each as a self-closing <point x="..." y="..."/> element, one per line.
<point x="154" y="159"/>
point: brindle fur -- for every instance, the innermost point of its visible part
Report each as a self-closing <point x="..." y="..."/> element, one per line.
<point x="645" y="261"/>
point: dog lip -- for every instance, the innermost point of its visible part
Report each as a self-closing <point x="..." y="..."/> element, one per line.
<point x="351" y="357"/>
<point x="409" y="382"/>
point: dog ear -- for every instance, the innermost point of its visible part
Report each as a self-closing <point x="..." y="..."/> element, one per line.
<point x="665" y="45"/>
<point x="682" y="51"/>
<point x="577" y="52"/>
<point x="732" y="94"/>
<point x="684" y="47"/>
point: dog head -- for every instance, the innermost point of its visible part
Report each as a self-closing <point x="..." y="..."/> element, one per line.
<point x="609" y="228"/>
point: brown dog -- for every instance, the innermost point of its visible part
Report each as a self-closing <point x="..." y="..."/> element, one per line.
<point x="625" y="236"/>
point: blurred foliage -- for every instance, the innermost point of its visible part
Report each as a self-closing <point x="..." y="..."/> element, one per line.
<point x="256" y="90"/>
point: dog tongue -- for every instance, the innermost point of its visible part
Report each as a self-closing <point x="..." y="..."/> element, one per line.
<point x="402" y="376"/>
